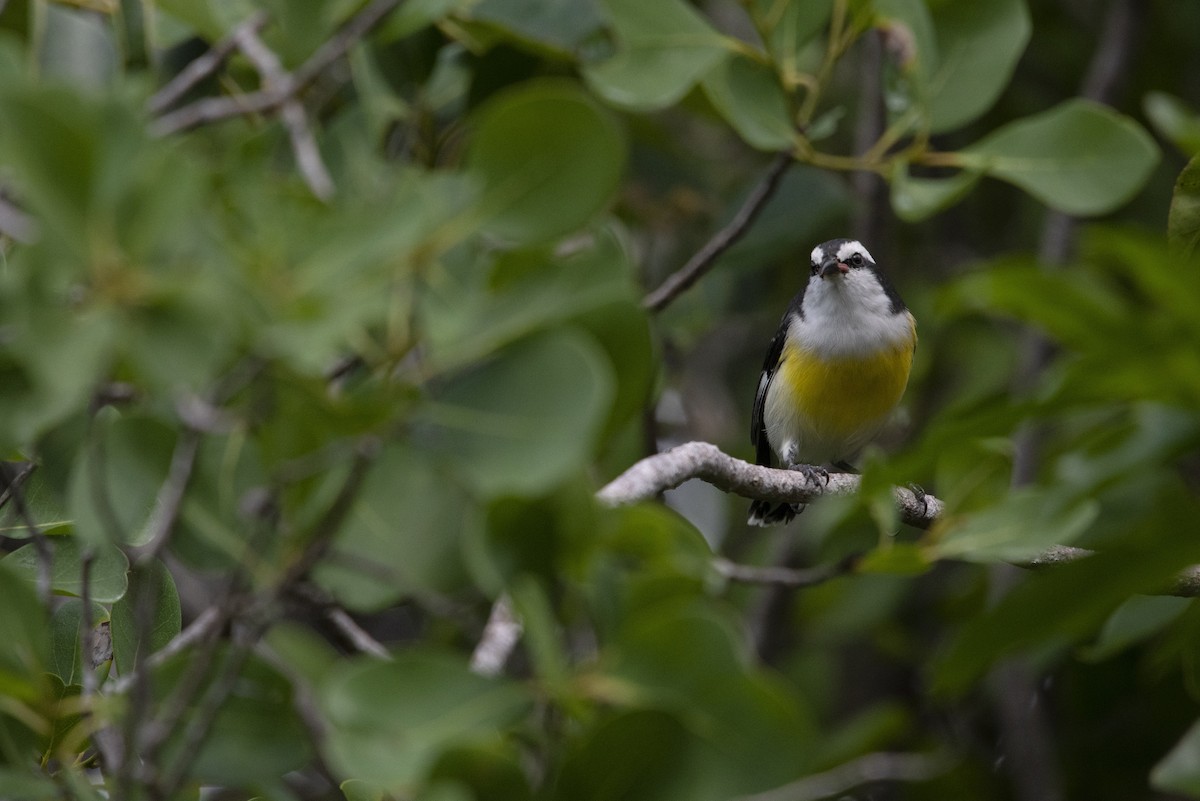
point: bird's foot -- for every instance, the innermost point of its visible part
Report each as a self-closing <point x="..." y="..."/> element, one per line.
<point x="921" y="497"/>
<point x="813" y="474"/>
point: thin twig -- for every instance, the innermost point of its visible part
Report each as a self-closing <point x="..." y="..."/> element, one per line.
<point x="169" y="500"/>
<point x="200" y="628"/>
<point x="356" y="634"/>
<point x="500" y="636"/>
<point x="704" y="259"/>
<point x="794" y="578"/>
<point x="879" y="767"/>
<point x="654" y="474"/>
<point x="45" y="568"/>
<point x="304" y="144"/>
<point x="214" y="109"/>
<point x="202" y="67"/>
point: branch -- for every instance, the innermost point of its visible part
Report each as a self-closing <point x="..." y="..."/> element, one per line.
<point x="202" y="67"/>
<point x="667" y="470"/>
<point x="794" y="578"/>
<point x="214" y="109"/>
<point x="15" y="223"/>
<point x="14" y="490"/>
<point x="500" y="637"/>
<point x="880" y="767"/>
<point x="704" y="259"/>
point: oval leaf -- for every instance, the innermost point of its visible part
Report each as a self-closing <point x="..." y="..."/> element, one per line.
<point x="749" y="97"/>
<point x="548" y="159"/>
<point x="1079" y="157"/>
<point x="1183" y="224"/>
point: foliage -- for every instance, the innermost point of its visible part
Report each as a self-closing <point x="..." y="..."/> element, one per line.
<point x="251" y="410"/>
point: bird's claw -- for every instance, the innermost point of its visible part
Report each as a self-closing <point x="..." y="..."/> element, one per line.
<point x="813" y="474"/>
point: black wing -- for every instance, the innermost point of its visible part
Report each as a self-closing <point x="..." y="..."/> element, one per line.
<point x="758" y="426"/>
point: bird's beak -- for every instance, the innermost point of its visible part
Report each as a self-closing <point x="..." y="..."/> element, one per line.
<point x="832" y="266"/>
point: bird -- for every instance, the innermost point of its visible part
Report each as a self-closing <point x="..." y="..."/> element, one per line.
<point x="834" y="372"/>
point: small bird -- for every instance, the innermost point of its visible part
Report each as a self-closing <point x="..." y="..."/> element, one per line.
<point x="834" y="371"/>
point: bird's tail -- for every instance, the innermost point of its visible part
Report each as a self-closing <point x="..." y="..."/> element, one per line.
<point x="767" y="513"/>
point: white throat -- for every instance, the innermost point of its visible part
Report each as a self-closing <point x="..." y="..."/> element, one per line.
<point x="849" y="315"/>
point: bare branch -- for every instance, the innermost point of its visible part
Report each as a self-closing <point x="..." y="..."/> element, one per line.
<point x="500" y="637"/>
<point x="169" y="500"/>
<point x="355" y="633"/>
<point x="214" y="109"/>
<point x="202" y="67"/>
<point x="199" y="629"/>
<point x="794" y="578"/>
<point x="702" y="460"/>
<point x="704" y="259"/>
<point x="879" y="767"/>
<point x="304" y="144"/>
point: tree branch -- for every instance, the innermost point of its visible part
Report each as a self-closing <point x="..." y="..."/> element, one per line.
<point x="500" y="637"/>
<point x="202" y="67"/>
<point x="794" y="578"/>
<point x="879" y="767"/>
<point x="214" y="109"/>
<point x="704" y="259"/>
<point x="667" y="470"/>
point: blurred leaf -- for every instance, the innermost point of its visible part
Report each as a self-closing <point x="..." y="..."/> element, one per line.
<point x="1020" y="527"/>
<point x="107" y="579"/>
<point x="525" y="419"/>
<point x="27" y="786"/>
<point x="909" y="26"/>
<point x="1174" y="120"/>
<point x="390" y="721"/>
<point x="901" y="559"/>
<point x="749" y="97"/>
<point x="664" y="48"/>
<point x="1140" y="617"/>
<point x="561" y="25"/>
<point x="65" y="639"/>
<point x="492" y="770"/>
<point x="916" y="199"/>
<point x="24" y="634"/>
<point x="548" y="159"/>
<point x="790" y="26"/>
<point x="407" y="523"/>
<point x="542" y="636"/>
<point x="979" y="45"/>
<point x="1183" y="224"/>
<point x="153" y="586"/>
<point x="116" y="479"/>
<point x="1078" y="157"/>
<point x="357" y="790"/>
<point x="1179" y="770"/>
<point x="256" y="737"/>
<point x="77" y="47"/>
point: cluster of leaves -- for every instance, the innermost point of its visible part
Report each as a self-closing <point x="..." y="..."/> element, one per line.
<point x="402" y="400"/>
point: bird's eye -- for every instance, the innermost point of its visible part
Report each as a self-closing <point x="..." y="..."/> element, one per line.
<point x="856" y="260"/>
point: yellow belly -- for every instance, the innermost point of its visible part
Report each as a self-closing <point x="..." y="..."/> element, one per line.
<point x="830" y="408"/>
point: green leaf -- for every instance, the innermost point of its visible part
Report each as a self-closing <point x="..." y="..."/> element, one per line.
<point x="979" y="44"/>
<point x="1079" y="157"/>
<point x="916" y="199"/>
<point x="548" y="159"/>
<point x="909" y="24"/>
<point x="107" y="579"/>
<point x="154" y="586"/>
<point x="406" y="525"/>
<point x="1183" y="224"/>
<point x="24" y="634"/>
<point x="65" y="639"/>
<point x="117" y="477"/>
<point x="532" y="606"/>
<point x="1140" y="617"/>
<point x="749" y="97"/>
<point x="78" y="47"/>
<point x="1175" y="120"/>
<point x="790" y="26"/>
<point x="1179" y="771"/>
<point x="1018" y="528"/>
<point x="564" y="26"/>
<point x="390" y="721"/>
<point x="524" y="420"/>
<point x="664" y="48"/>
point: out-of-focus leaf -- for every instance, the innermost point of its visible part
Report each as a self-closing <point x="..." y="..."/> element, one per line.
<point x="1140" y="617"/>
<point x="77" y="46"/>
<point x="749" y="97"/>
<point x="909" y="27"/>
<point x="27" y="786"/>
<point x="533" y="609"/>
<point x="256" y="737"/>
<point x="117" y="478"/>
<point x="154" y="586"/>
<point x="390" y="721"/>
<point x="915" y="199"/>
<point x="548" y="159"/>
<point x="402" y="537"/>
<point x="1078" y="157"/>
<point x="490" y="770"/>
<point x="525" y="419"/>
<point x="1183" y="224"/>
<point x="790" y="26"/>
<point x="1018" y="528"/>
<point x="665" y="47"/>
<point x="24" y="634"/>
<point x="979" y="44"/>
<point x="563" y="26"/>
<point x="65" y="640"/>
<point x="358" y="790"/>
<point x="1175" y="120"/>
<point x="1179" y="770"/>
<point x="107" y="579"/>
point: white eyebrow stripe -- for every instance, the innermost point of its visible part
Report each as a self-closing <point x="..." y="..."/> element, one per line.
<point x="815" y="256"/>
<point x="850" y="248"/>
